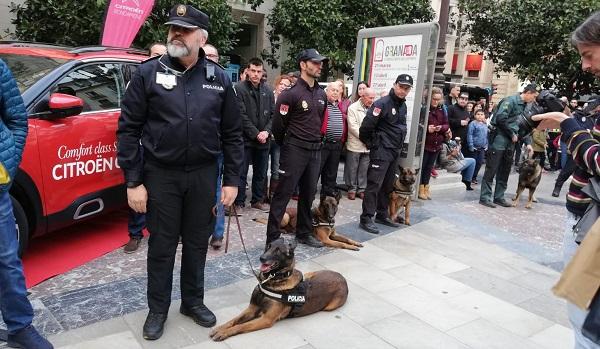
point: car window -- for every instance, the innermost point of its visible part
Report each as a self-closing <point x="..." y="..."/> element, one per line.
<point x="27" y="70"/>
<point x="100" y="86"/>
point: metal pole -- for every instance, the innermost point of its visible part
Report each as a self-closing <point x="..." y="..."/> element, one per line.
<point x="440" y="62"/>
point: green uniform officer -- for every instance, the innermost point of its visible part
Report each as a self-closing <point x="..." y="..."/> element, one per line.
<point x="502" y="146"/>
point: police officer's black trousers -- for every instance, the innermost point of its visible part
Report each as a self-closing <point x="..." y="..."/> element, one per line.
<point x="383" y="166"/>
<point x="330" y="161"/>
<point x="565" y="172"/>
<point x="498" y="163"/>
<point x="297" y="166"/>
<point x="179" y="204"/>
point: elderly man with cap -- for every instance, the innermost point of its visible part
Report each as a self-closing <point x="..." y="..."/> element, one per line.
<point x="383" y="130"/>
<point x="183" y="109"/>
<point x="297" y="122"/>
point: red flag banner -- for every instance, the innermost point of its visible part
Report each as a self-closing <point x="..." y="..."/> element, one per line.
<point x="123" y="20"/>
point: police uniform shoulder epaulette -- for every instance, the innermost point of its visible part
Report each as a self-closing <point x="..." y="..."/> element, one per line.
<point x="217" y="64"/>
<point x="150" y="59"/>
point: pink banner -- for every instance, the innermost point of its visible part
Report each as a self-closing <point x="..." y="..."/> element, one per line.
<point x="123" y="20"/>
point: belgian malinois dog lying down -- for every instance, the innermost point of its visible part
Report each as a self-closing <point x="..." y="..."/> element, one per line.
<point x="324" y="224"/>
<point x="283" y="292"/>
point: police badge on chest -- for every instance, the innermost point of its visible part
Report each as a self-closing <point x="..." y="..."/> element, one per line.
<point x="168" y="81"/>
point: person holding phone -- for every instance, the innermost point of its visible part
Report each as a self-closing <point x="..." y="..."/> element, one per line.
<point x="437" y="126"/>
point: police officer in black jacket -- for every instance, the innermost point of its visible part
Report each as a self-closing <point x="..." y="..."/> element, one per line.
<point x="297" y="122"/>
<point x="383" y="130"/>
<point x="183" y="109"/>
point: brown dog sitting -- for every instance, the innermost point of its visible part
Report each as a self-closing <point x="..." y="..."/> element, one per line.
<point x="284" y="292"/>
<point x="401" y="194"/>
<point x="530" y="174"/>
<point x="324" y="224"/>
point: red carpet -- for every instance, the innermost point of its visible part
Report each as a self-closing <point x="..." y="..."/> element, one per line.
<point x="63" y="250"/>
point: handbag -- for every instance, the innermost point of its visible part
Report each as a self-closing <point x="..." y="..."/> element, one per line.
<point x="591" y="326"/>
<point x="592" y="189"/>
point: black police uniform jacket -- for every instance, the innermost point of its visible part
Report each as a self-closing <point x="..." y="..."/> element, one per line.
<point x="257" y="114"/>
<point x="299" y="113"/>
<point x="384" y="125"/>
<point x="180" y="127"/>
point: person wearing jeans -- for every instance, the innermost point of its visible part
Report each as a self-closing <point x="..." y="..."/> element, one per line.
<point x="17" y="312"/>
<point x="453" y="161"/>
<point x="216" y="239"/>
<point x="477" y="141"/>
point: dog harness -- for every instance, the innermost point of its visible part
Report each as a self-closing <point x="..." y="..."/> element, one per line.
<point x="295" y="297"/>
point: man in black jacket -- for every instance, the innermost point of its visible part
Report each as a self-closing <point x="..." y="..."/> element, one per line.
<point x="459" y="118"/>
<point x="256" y="102"/>
<point x="183" y="109"/>
<point x="383" y="131"/>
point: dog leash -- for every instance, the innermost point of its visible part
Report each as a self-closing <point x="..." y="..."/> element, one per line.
<point x="237" y="220"/>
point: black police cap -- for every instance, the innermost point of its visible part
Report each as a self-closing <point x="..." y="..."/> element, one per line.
<point x="404" y="79"/>
<point x="310" y="54"/>
<point x="187" y="16"/>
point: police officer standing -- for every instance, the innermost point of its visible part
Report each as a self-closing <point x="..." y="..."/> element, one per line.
<point x="183" y="109"/>
<point x="297" y="122"/>
<point x="502" y="140"/>
<point x="382" y="131"/>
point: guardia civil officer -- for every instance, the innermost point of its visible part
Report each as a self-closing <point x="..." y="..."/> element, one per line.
<point x="383" y="130"/>
<point x="297" y="122"/>
<point x="183" y="109"/>
<point x="502" y="142"/>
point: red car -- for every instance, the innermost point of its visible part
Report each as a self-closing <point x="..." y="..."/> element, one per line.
<point x="73" y="96"/>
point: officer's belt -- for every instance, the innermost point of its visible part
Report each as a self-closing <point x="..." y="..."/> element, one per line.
<point x="302" y="144"/>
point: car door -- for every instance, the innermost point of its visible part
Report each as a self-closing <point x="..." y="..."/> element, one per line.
<point x="78" y="153"/>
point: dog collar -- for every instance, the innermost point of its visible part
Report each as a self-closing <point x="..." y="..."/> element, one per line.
<point x="403" y="192"/>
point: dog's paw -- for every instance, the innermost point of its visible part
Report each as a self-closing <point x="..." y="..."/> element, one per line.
<point x="514" y="204"/>
<point x="218" y="335"/>
<point x="529" y="206"/>
<point x="407" y="223"/>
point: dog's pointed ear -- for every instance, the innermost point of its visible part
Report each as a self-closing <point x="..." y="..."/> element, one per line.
<point x="417" y="171"/>
<point x="400" y="168"/>
<point x="292" y="245"/>
<point x="338" y="196"/>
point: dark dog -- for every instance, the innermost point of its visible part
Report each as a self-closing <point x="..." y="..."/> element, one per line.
<point x="324" y="224"/>
<point x="401" y="194"/>
<point x="530" y="174"/>
<point x="283" y="293"/>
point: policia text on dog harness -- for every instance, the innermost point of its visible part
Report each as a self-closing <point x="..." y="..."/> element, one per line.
<point x="295" y="297"/>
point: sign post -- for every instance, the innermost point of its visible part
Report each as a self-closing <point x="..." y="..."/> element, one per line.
<point x="384" y="53"/>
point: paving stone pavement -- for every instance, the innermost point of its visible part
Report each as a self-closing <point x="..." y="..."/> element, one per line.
<point x="420" y="287"/>
<point x="430" y="279"/>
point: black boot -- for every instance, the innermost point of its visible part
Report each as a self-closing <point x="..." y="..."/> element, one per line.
<point x="556" y="191"/>
<point x="154" y="326"/>
<point x="369" y="226"/>
<point x="468" y="185"/>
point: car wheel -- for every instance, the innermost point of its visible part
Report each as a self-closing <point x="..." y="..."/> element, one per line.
<point x="22" y="225"/>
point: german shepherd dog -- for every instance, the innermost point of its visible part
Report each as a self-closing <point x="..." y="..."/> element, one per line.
<point x="401" y="194"/>
<point x="530" y="174"/>
<point x="283" y="292"/>
<point x="324" y="224"/>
